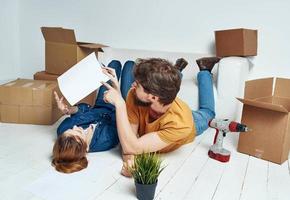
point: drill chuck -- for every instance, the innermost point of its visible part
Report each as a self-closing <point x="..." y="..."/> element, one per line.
<point x="237" y="127"/>
<point x="242" y="128"/>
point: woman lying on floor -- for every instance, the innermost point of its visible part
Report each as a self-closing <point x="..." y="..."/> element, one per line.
<point x="87" y="129"/>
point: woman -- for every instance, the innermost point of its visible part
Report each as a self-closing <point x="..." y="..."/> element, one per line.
<point x="88" y="129"/>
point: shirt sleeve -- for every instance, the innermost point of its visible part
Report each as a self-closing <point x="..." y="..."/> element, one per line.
<point x="174" y="132"/>
<point x="132" y="109"/>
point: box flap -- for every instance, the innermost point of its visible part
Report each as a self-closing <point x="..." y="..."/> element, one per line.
<point x="282" y="87"/>
<point x="92" y="46"/>
<point x="233" y="29"/>
<point x="265" y="105"/>
<point x="259" y="88"/>
<point x="59" y="35"/>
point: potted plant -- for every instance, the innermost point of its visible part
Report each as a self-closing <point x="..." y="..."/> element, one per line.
<point x="145" y="171"/>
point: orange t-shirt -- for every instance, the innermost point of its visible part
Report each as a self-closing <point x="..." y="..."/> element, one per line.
<point x="174" y="127"/>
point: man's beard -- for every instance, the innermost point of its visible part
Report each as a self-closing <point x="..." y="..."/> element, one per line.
<point x="141" y="103"/>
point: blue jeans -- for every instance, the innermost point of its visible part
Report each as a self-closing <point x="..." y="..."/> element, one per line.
<point x="206" y="110"/>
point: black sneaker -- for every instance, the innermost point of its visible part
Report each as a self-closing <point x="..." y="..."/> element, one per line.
<point x="180" y="64"/>
<point x="207" y="63"/>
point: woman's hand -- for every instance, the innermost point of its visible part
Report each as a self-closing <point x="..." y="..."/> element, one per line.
<point x="64" y="108"/>
<point x="111" y="73"/>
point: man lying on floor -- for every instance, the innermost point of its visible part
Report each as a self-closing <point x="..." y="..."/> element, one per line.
<point x="153" y="118"/>
<point x="157" y="120"/>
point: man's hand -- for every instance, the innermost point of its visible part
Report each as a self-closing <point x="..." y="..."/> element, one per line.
<point x="112" y="95"/>
<point x="127" y="165"/>
<point x="65" y="109"/>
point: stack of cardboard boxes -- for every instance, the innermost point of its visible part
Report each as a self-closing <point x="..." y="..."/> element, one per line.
<point x="29" y="102"/>
<point x="32" y="101"/>
<point x="266" y="102"/>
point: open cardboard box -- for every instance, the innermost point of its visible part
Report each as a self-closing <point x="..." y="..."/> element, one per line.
<point x="62" y="51"/>
<point x="29" y="102"/>
<point x="42" y="75"/>
<point x="266" y="111"/>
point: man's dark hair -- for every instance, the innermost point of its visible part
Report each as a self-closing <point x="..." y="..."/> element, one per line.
<point x="158" y="77"/>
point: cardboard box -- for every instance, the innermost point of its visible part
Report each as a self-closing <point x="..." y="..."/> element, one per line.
<point x="28" y="102"/>
<point x="266" y="111"/>
<point x="236" y="42"/>
<point x="90" y="99"/>
<point x="42" y="75"/>
<point x="62" y="51"/>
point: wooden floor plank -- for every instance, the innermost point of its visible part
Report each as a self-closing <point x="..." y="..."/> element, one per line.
<point x="175" y="161"/>
<point x="255" y="183"/>
<point x="231" y="183"/>
<point x="184" y="178"/>
<point x="205" y="184"/>
<point x="278" y="183"/>
<point x="205" y="176"/>
<point x="289" y="163"/>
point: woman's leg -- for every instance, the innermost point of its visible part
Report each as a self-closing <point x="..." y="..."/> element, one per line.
<point x="115" y="64"/>
<point x="127" y="78"/>
<point x="206" y="110"/>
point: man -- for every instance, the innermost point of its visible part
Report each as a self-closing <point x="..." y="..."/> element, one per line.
<point x="153" y="118"/>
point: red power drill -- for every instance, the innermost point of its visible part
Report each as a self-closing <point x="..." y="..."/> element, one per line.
<point x="223" y="126"/>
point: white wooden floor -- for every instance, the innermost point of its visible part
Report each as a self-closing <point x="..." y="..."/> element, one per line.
<point x="25" y="152"/>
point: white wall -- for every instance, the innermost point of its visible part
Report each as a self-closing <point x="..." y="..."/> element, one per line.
<point x="9" y="40"/>
<point x="175" y="25"/>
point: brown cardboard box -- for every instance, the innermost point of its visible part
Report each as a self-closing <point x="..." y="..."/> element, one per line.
<point x="266" y="111"/>
<point x="236" y="42"/>
<point x="90" y="99"/>
<point x="42" y="75"/>
<point x="62" y="51"/>
<point x="28" y="102"/>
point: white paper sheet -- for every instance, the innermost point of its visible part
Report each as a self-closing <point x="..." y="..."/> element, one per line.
<point x="85" y="184"/>
<point x="82" y="79"/>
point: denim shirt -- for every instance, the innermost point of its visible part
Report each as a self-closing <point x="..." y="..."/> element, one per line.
<point x="105" y="134"/>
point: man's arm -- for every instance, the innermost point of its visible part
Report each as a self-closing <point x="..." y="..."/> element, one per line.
<point x="130" y="156"/>
<point x="131" y="144"/>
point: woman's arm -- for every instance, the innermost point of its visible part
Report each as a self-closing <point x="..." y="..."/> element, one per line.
<point x="64" y="108"/>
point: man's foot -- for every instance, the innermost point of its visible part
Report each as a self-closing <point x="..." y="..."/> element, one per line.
<point x="207" y="63"/>
<point x="180" y="64"/>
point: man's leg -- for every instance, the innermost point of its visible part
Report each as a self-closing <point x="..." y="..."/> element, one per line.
<point x="206" y="111"/>
<point x="127" y="78"/>
<point x="100" y="98"/>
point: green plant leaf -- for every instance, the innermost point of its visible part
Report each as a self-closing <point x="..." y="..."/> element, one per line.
<point x="147" y="168"/>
